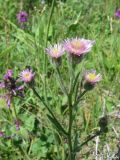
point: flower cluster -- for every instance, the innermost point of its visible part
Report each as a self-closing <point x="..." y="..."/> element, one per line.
<point x="14" y="86"/>
<point x="76" y="48"/>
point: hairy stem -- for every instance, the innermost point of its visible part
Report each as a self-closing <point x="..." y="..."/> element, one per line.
<point x="62" y="86"/>
<point x="70" y="128"/>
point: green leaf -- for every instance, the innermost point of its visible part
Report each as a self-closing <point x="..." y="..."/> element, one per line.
<point x="7" y="50"/>
<point x="38" y="148"/>
<point x="28" y="121"/>
<point x="57" y="125"/>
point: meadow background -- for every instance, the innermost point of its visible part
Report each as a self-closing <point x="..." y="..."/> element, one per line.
<point x="90" y="19"/>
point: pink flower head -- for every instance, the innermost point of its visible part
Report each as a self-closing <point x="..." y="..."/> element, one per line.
<point x="78" y="46"/>
<point x="22" y="16"/>
<point x="9" y="74"/>
<point x="55" y="51"/>
<point x="27" y="75"/>
<point x="92" y="78"/>
<point x="117" y="13"/>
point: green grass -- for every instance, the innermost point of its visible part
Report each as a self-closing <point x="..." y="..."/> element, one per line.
<point x="91" y="19"/>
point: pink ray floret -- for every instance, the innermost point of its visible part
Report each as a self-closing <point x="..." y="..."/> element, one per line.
<point x="78" y="46"/>
<point x="92" y="78"/>
<point x="9" y="74"/>
<point x="55" y="51"/>
<point x="27" y="75"/>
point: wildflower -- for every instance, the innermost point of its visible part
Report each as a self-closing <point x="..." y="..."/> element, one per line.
<point x="11" y="85"/>
<point x="8" y="98"/>
<point x="91" y="78"/>
<point x="27" y="75"/>
<point x="2" y="85"/>
<point x="1" y="134"/>
<point x="22" y="17"/>
<point x="78" y="46"/>
<point x="17" y="124"/>
<point x="117" y="13"/>
<point x="55" y="51"/>
<point x="9" y="74"/>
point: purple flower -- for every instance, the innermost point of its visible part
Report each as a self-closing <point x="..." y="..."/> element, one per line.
<point x="12" y="87"/>
<point x="78" y="46"/>
<point x="2" y="85"/>
<point x="1" y="134"/>
<point x="55" y="51"/>
<point x="92" y="78"/>
<point x="9" y="74"/>
<point x="27" y="75"/>
<point x="17" y="124"/>
<point x="8" y="98"/>
<point x="117" y="13"/>
<point x="22" y="16"/>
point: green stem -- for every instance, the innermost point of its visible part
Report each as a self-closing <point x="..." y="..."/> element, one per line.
<point x="14" y="110"/>
<point x="46" y="40"/>
<point x="89" y="139"/>
<point x="46" y="106"/>
<point x="62" y="86"/>
<point x="24" y="152"/>
<point x="79" y="97"/>
<point x="30" y="146"/>
<point x="71" y="72"/>
<point x="70" y="129"/>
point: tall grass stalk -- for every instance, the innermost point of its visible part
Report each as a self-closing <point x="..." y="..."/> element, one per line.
<point x="46" y="41"/>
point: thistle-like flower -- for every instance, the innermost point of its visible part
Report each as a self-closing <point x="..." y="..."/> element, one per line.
<point x="78" y="46"/>
<point x="91" y="78"/>
<point x="12" y="87"/>
<point x="27" y="75"/>
<point x="8" y="75"/>
<point x="117" y="13"/>
<point x="55" y="51"/>
<point x="22" y="17"/>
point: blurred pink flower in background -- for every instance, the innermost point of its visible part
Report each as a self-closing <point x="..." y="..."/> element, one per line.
<point x="117" y="13"/>
<point x="22" y="17"/>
